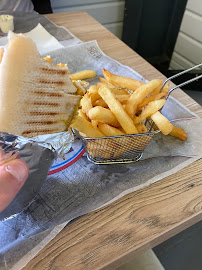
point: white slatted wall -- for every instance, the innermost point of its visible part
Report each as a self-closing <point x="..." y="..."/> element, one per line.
<point x="110" y="13"/>
<point x="188" y="48"/>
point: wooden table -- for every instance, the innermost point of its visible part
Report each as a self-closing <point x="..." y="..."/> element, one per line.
<point x="115" y="234"/>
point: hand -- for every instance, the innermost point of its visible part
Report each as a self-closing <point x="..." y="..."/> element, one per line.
<point x="12" y="177"/>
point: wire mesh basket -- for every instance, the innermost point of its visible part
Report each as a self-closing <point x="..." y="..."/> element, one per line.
<point x="117" y="149"/>
<point x="126" y="148"/>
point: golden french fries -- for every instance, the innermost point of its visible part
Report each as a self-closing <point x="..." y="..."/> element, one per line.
<point x="160" y="90"/>
<point x="119" y="92"/>
<point x="48" y="59"/>
<point x="103" y="115"/>
<point x="151" y="108"/>
<point x="93" y="93"/>
<point x="141" y="128"/>
<point x="114" y="89"/>
<point x="82" y="75"/>
<point x="151" y="98"/>
<point x="109" y="130"/>
<point x="108" y="109"/>
<point x="62" y="65"/>
<point x="82" y="114"/>
<point x="106" y="82"/>
<point x="157" y="90"/>
<point x="122" y="98"/>
<point x="117" y="109"/>
<point x="86" y="127"/>
<point x="94" y="123"/>
<point x="81" y="86"/>
<point x="162" y="123"/>
<point x="92" y="89"/>
<point x="165" y="88"/>
<point x="86" y="104"/>
<point x="138" y="96"/>
<point x="121" y="82"/>
<point x="99" y="84"/>
<point x="178" y="133"/>
<point x="100" y="102"/>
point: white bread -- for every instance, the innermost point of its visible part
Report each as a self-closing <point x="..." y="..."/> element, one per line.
<point x="36" y="97"/>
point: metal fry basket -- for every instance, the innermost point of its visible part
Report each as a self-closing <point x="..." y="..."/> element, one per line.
<point x="117" y="149"/>
<point x="125" y="148"/>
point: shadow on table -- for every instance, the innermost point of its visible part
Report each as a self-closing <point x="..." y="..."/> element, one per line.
<point x="183" y="251"/>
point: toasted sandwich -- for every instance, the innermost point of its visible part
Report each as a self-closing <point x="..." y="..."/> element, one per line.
<point x="36" y="97"/>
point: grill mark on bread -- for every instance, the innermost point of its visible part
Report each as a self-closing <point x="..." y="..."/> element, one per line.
<point x="47" y="104"/>
<point x="41" y="93"/>
<point x="44" y="113"/>
<point x="55" y="71"/>
<point x="52" y="82"/>
<point x="42" y="122"/>
<point x="42" y="131"/>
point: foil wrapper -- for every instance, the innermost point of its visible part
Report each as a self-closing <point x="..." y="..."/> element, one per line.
<point x="39" y="153"/>
<point x="61" y="142"/>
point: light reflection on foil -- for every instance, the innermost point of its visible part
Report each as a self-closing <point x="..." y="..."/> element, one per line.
<point x="61" y="142"/>
<point x="57" y="142"/>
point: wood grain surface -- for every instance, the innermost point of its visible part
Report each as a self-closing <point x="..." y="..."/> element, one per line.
<point x="115" y="234"/>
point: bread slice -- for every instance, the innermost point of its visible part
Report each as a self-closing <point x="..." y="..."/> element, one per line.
<point x="36" y="97"/>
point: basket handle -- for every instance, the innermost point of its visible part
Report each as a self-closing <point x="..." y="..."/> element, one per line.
<point x="181" y="84"/>
<point x="184" y="83"/>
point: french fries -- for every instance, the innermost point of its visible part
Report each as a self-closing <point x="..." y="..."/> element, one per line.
<point x="109" y="130"/>
<point x="103" y="115"/>
<point x="150" y="108"/>
<point x="162" y="123"/>
<point x="178" y="133"/>
<point x="122" y="98"/>
<point x="141" y="128"/>
<point x="82" y="75"/>
<point x="86" y="127"/>
<point x="119" y="91"/>
<point x="100" y="102"/>
<point x="62" y="65"/>
<point x="82" y="114"/>
<point x="81" y="87"/>
<point x="113" y="88"/>
<point x="120" y="81"/>
<point x="151" y="98"/>
<point x="106" y="82"/>
<point x="86" y="104"/>
<point x="110" y="109"/>
<point x="94" y="123"/>
<point x="165" y="88"/>
<point x="117" y="109"/>
<point x="48" y="59"/>
<point x="138" y="96"/>
<point x="160" y="90"/>
<point x="93" y="93"/>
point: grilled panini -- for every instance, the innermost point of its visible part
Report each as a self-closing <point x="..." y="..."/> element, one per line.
<point x="36" y="97"/>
